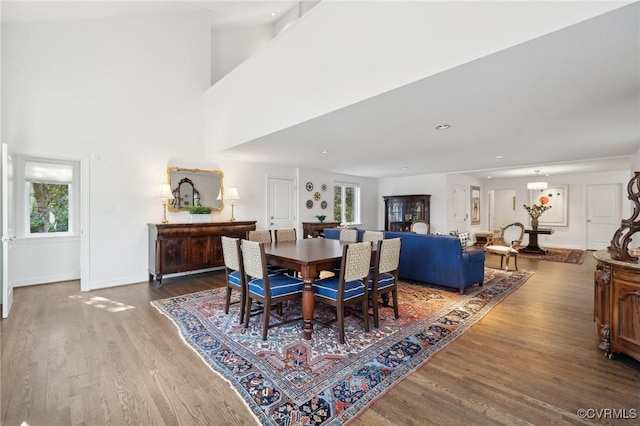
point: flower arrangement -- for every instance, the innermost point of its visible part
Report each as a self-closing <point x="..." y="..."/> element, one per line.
<point x="535" y="210"/>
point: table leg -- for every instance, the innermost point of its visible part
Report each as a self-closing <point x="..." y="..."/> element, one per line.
<point x="308" y="306"/>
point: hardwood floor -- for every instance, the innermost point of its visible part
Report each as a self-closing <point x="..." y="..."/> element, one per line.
<point x="107" y="357"/>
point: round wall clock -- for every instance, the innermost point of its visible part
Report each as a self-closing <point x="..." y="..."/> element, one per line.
<point x="309" y="186"/>
<point x="309" y="204"/>
<point x="323" y="204"/>
<point x="316" y="196"/>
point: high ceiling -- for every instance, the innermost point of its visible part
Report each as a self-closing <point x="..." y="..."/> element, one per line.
<point x="567" y="99"/>
<point x="567" y="102"/>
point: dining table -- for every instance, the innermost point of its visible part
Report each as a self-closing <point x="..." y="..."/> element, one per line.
<point x="308" y="257"/>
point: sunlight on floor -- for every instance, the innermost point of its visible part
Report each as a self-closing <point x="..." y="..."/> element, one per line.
<point x="103" y="303"/>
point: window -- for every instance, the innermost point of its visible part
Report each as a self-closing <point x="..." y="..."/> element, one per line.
<point x="346" y="202"/>
<point x="49" y="197"/>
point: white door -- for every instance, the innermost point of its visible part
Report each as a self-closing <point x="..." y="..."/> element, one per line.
<point x="460" y="210"/>
<point x="503" y="208"/>
<point x="7" y="227"/>
<point x="281" y="203"/>
<point x="603" y="214"/>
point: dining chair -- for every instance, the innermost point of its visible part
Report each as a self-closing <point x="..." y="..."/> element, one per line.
<point x="259" y="236"/>
<point x="266" y="288"/>
<point x="384" y="279"/>
<point x="373" y="236"/>
<point x="506" y="244"/>
<point x="420" y="227"/>
<point x="349" y="286"/>
<point x="285" y="234"/>
<point x="234" y="269"/>
<point x="349" y="235"/>
<point x="265" y="237"/>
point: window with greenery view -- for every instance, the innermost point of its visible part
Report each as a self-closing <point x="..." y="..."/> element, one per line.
<point x="49" y="196"/>
<point x="346" y="203"/>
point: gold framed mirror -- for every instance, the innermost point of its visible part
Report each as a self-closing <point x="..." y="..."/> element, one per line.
<point x="195" y="187"/>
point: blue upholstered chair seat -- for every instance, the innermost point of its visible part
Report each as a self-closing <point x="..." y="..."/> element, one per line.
<point x="235" y="278"/>
<point x="328" y="288"/>
<point x="385" y="280"/>
<point x="280" y="285"/>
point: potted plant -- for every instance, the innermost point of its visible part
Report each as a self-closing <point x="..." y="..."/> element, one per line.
<point x="199" y="214"/>
<point x="535" y="210"/>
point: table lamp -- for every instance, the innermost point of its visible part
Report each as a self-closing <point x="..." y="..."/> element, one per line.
<point x="165" y="194"/>
<point x="232" y="194"/>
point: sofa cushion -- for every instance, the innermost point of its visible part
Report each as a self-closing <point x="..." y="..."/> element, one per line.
<point x="464" y="240"/>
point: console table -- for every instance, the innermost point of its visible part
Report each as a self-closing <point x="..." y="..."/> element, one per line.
<point x="182" y="247"/>
<point x="533" y="247"/>
<point x="616" y="309"/>
<point x="314" y="229"/>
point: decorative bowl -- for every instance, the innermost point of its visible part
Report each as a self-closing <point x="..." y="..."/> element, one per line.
<point x="321" y="217"/>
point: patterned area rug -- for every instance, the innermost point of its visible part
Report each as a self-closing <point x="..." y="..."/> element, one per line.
<point x="558" y="255"/>
<point x="289" y="381"/>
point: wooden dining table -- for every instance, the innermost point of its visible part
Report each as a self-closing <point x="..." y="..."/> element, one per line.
<point x="308" y="257"/>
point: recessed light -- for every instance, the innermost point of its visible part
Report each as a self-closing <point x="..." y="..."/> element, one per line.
<point x="443" y="127"/>
<point x="324" y="151"/>
<point x="499" y="156"/>
<point x="272" y="14"/>
<point x="405" y="168"/>
<point x="488" y="177"/>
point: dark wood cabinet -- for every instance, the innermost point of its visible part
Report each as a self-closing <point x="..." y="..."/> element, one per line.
<point x="400" y="211"/>
<point x="183" y="247"/>
<point x="616" y="309"/>
<point x="314" y="229"/>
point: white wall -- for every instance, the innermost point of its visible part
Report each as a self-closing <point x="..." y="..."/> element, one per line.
<point x="124" y="93"/>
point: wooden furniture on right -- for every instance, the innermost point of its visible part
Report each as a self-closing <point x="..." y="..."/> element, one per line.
<point x="616" y="310"/>
<point x="400" y="211"/>
<point x="314" y="229"/>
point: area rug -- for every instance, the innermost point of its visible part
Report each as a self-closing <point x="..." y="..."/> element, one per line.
<point x="289" y="381"/>
<point x="558" y="255"/>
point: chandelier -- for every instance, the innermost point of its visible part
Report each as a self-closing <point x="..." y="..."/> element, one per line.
<point x="537" y="184"/>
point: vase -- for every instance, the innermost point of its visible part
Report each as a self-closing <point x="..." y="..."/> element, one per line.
<point x="534" y="224"/>
<point x="200" y="218"/>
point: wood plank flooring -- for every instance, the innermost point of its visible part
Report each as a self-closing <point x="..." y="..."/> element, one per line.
<point x="107" y="357"/>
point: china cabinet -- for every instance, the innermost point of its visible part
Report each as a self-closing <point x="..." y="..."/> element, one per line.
<point x="400" y="211"/>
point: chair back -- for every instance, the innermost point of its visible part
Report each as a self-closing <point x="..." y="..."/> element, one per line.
<point x="388" y="255"/>
<point x="349" y="235"/>
<point x="420" y="227"/>
<point x="286" y="234"/>
<point x="260" y="236"/>
<point x="512" y="235"/>
<point x="373" y="236"/>
<point x="231" y="253"/>
<point x="254" y="259"/>
<point x="356" y="261"/>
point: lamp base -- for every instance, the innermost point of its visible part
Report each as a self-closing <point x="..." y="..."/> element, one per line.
<point x="233" y="219"/>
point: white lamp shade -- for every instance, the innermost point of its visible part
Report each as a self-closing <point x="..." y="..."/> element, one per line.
<point x="164" y="192"/>
<point x="232" y="194"/>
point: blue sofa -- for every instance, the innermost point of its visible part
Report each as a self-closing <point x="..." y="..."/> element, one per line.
<point x="434" y="259"/>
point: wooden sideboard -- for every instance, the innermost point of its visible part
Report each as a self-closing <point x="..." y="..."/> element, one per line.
<point x="616" y="309"/>
<point x="314" y="229"/>
<point x="182" y="247"/>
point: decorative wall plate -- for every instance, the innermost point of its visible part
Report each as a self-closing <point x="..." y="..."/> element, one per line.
<point x="323" y="204"/>
<point x="324" y="186"/>
<point x="309" y="186"/>
<point x="309" y="204"/>
<point x="316" y="196"/>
